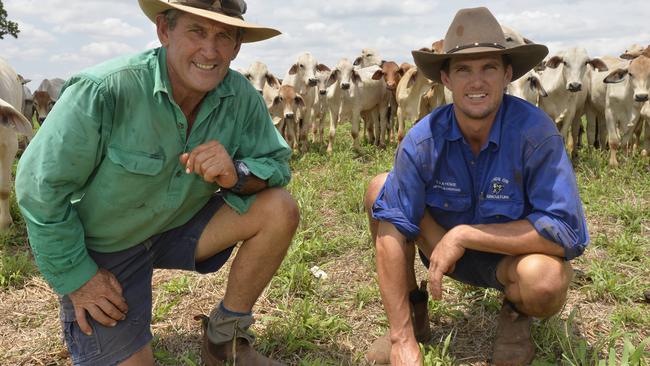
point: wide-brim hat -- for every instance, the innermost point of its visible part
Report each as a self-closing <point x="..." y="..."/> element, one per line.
<point x="476" y="31"/>
<point x="229" y="12"/>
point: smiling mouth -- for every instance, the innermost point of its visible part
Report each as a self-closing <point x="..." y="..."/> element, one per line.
<point x="206" y="67"/>
<point x="476" y="96"/>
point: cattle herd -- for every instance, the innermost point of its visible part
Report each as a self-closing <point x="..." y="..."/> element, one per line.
<point x="612" y="92"/>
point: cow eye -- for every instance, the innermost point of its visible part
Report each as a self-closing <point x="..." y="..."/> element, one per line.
<point x="302" y="66"/>
<point x="509" y="39"/>
<point x="629" y="73"/>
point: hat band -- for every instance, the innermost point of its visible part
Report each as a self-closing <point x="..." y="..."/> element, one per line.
<point x="476" y="44"/>
<point x="232" y="8"/>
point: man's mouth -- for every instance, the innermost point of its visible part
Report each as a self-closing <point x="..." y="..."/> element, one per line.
<point x="476" y="96"/>
<point x="206" y="67"/>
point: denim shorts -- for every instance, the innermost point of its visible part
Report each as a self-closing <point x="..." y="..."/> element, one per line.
<point x="133" y="267"/>
<point x="475" y="268"/>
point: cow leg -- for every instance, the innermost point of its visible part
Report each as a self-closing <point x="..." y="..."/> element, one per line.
<point x="592" y="126"/>
<point x="355" y="130"/>
<point x="400" y="123"/>
<point x="613" y="138"/>
<point x="8" y="149"/>
<point x="334" y="118"/>
<point x="304" y="129"/>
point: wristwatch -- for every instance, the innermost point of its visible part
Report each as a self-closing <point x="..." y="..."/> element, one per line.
<point x="243" y="174"/>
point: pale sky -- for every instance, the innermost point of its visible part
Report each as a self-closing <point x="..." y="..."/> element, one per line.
<point x="58" y="38"/>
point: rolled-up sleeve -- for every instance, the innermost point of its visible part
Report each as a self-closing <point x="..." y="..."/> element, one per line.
<point x="264" y="152"/>
<point x="557" y="212"/>
<point x="401" y="200"/>
<point x="55" y="166"/>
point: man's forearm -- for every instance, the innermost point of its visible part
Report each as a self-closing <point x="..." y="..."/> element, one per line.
<point x="512" y="238"/>
<point x="393" y="283"/>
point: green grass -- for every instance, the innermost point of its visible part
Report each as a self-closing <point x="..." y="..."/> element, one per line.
<point x="307" y="321"/>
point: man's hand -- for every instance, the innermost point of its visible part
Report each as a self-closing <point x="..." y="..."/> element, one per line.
<point x="443" y="260"/>
<point x="405" y="354"/>
<point x="212" y="162"/>
<point x="102" y="297"/>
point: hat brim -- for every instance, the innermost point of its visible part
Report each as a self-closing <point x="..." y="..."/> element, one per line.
<point x="522" y="58"/>
<point x="252" y="32"/>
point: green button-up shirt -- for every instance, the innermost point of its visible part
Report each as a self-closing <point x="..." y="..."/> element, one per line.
<point x="104" y="173"/>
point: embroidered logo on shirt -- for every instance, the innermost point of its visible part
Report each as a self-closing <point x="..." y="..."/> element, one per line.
<point x="497" y="186"/>
<point x="446" y="186"/>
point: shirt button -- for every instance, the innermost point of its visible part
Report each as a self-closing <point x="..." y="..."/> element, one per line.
<point x="180" y="126"/>
<point x="472" y="162"/>
<point x="179" y="173"/>
<point x="446" y="204"/>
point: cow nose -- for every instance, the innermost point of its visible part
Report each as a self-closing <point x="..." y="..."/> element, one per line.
<point x="641" y="97"/>
<point x="575" y="87"/>
<point x="313" y="82"/>
<point x="288" y="115"/>
<point x="345" y="86"/>
<point x="322" y="92"/>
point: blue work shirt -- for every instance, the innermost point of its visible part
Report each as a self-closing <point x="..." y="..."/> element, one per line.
<point x="522" y="172"/>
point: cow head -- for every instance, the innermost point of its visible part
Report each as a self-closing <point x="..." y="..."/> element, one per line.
<point x="305" y="69"/>
<point x="322" y="76"/>
<point x="392" y="74"/>
<point x="638" y="75"/>
<point x="574" y="64"/>
<point x="43" y="104"/>
<point x="257" y="74"/>
<point x="369" y="57"/>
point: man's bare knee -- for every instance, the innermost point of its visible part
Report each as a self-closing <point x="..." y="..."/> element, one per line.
<point x="543" y="283"/>
<point x="373" y="190"/>
<point x="280" y="207"/>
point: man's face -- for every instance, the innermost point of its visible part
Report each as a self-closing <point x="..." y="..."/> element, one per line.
<point x="477" y="85"/>
<point x="199" y="52"/>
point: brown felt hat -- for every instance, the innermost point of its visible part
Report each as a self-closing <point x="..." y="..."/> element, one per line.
<point x="475" y="31"/>
<point x="223" y="11"/>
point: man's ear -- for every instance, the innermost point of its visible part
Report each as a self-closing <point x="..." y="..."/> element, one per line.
<point x="508" y="75"/>
<point x="445" y="79"/>
<point x="237" y="48"/>
<point x="162" y="29"/>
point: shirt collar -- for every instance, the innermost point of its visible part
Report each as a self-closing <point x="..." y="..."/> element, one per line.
<point x="162" y="83"/>
<point x="454" y="133"/>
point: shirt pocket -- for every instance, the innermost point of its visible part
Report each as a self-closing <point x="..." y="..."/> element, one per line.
<point x="495" y="211"/>
<point x="448" y="202"/>
<point x="128" y="178"/>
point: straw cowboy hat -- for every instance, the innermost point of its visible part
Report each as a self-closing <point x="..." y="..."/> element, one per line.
<point x="475" y="31"/>
<point x="223" y="11"/>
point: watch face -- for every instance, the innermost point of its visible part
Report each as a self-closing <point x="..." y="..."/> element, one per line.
<point x="242" y="168"/>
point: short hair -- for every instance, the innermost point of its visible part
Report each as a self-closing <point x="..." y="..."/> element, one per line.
<point x="504" y="58"/>
<point x="172" y="15"/>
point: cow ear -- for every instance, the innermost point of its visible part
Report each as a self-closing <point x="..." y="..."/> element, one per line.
<point x="272" y="81"/>
<point x="412" y="79"/>
<point x="378" y="75"/>
<point x="355" y="77"/>
<point x="11" y="118"/>
<point x="293" y="70"/>
<point x="357" y="61"/>
<point x="322" y="68"/>
<point x="528" y="41"/>
<point x="536" y="85"/>
<point x="627" y="56"/>
<point x="299" y="101"/>
<point x="615" y="76"/>
<point x="333" y="77"/>
<point x="554" y="62"/>
<point x="598" y="64"/>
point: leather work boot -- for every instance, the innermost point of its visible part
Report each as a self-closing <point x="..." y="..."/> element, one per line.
<point x="236" y="351"/>
<point x="379" y="351"/>
<point x="513" y="344"/>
